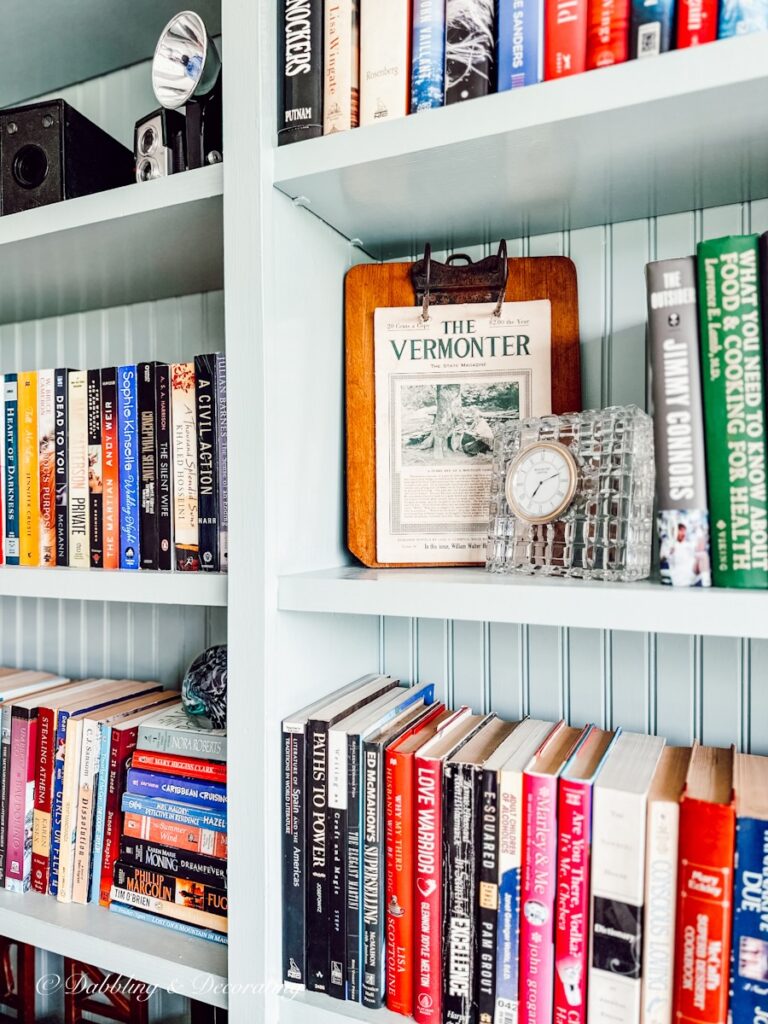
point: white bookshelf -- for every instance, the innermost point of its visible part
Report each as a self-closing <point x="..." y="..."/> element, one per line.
<point x="208" y="590"/>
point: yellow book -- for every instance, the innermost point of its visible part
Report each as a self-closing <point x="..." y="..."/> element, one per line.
<point x="29" y="483"/>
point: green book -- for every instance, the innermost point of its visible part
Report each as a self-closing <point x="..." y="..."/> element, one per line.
<point x="734" y="409"/>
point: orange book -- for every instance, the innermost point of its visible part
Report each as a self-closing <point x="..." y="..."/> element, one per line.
<point x="29" y="482"/>
<point x="181" y="837"/>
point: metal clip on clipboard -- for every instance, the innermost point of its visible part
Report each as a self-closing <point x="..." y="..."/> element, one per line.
<point x="457" y="282"/>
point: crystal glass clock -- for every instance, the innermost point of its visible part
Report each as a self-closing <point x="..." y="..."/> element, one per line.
<point x="572" y="495"/>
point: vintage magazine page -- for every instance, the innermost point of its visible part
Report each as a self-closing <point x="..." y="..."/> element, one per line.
<point x="443" y="388"/>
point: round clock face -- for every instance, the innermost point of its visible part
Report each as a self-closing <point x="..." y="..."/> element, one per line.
<point x="541" y="482"/>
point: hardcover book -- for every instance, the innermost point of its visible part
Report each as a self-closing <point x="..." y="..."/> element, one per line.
<point x="221" y="455"/>
<point x="681" y="476"/>
<point x="696" y="22"/>
<point x="734" y="408"/>
<point x="385" y="30"/>
<point x="10" y="443"/>
<point x="428" y="55"/>
<point x="174" y="732"/>
<point x="61" y="401"/>
<point x="565" y="35"/>
<point x="470" y="34"/>
<point x="207" y="468"/>
<point x="148" y="512"/>
<point x="519" y="43"/>
<point x="164" y="463"/>
<point x="95" y="471"/>
<point x="652" y="22"/>
<point x="46" y="427"/>
<point x="29" y="487"/>
<point x="607" y="32"/>
<point x="341" y="86"/>
<point x="186" y="538"/>
<point x="77" y="464"/>
<point x="130" y="554"/>
<point x="110" y="459"/>
<point x="300" y="67"/>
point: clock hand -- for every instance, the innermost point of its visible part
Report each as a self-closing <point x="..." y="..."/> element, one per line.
<point x="544" y="481"/>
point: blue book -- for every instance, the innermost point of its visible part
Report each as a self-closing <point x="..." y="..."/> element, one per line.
<point x="129" y="467"/>
<point x="195" y="817"/>
<point x="11" y="510"/>
<point x="742" y="18"/>
<point x="196" y="792"/>
<point x="652" y="22"/>
<point x="100" y="818"/>
<point x="168" y="922"/>
<point x="749" y="949"/>
<point x="519" y="43"/>
<point x="428" y="55"/>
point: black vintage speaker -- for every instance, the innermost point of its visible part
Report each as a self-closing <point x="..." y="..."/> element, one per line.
<point x="50" y="152"/>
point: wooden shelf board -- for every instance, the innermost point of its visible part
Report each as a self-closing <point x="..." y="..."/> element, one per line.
<point x="147" y="952"/>
<point x="475" y="595"/>
<point x="548" y="157"/>
<point x="133" y="244"/>
<point x="139" y="587"/>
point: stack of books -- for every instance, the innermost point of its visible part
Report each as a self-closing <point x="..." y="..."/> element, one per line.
<point x="463" y="869"/>
<point x="119" y="468"/>
<point x="170" y="863"/>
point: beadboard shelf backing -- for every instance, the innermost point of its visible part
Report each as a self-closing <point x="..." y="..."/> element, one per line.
<point x="133" y="244"/>
<point x="169" y="960"/>
<point x="140" y="587"/>
<point x="624" y="142"/>
<point x="475" y="595"/>
<point x="45" y="46"/>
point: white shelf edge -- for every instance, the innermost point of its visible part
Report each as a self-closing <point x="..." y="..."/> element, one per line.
<point x="131" y="587"/>
<point x="146" y="952"/>
<point x="477" y="596"/>
<point x="300" y="1007"/>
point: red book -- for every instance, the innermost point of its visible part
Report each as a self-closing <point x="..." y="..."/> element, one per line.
<point x="705" y="887"/>
<point x="574" y="835"/>
<point x="696" y="22"/>
<point x="110" y="496"/>
<point x="607" y="32"/>
<point x="565" y="38"/>
<point x="186" y="767"/>
<point x="399" y="866"/>
<point x="122" y="745"/>
<point x="181" y="837"/>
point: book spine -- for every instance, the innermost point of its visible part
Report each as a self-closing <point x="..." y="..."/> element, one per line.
<point x="734" y="409"/>
<point x="194" y="866"/>
<point x="336" y="830"/>
<point x="186" y="537"/>
<point x="704" y="901"/>
<point x="223" y="476"/>
<point x="167" y="922"/>
<point x="341" y="83"/>
<point x="189" y="915"/>
<point x="184" y="766"/>
<point x="77" y="452"/>
<point x="84" y="809"/>
<point x="660" y="911"/>
<point x="607" y="32"/>
<point x="171" y="888"/>
<point x="185" y="791"/>
<point x="10" y="441"/>
<point x="46" y="425"/>
<point x="574" y="827"/>
<point x="565" y="38"/>
<point x="5" y="784"/>
<point x="742" y="18"/>
<point x="41" y="826"/>
<point x="385" y="30"/>
<point x="372" y="850"/>
<point x="121" y="746"/>
<point x="95" y="471"/>
<point x="164" y="479"/>
<point x="399" y="892"/>
<point x="207" y="475"/>
<point x="427" y="55"/>
<point x="519" y="43"/>
<point x="178" y="813"/>
<point x="181" y="837"/>
<point x="130" y="554"/>
<point x="508" y="928"/>
<point x="428" y="889"/>
<point x="110" y="455"/>
<point x="179" y="741"/>
<point x="459" y="932"/>
<point x="651" y="28"/>
<point x="681" y="478"/>
<point x="317" y="924"/>
<point x="105" y="747"/>
<point x="749" y="984"/>
<point x="696" y="22"/>
<point x="56" y="800"/>
<point x="29" y="479"/>
<point x="20" y="795"/>
<point x="148" y="525"/>
<point x="470" y="33"/>
<point x="488" y="896"/>
<point x="353" y="868"/>
<point x="69" y="798"/>
<point x="300" y="66"/>
<point x="61" y="401"/>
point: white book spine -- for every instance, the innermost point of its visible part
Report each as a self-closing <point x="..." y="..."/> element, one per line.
<point x="510" y="802"/>
<point x="337" y="769"/>
<point x="618" y="883"/>
<point x="77" y="444"/>
<point x="83" y="817"/>
<point x="660" y="911"/>
<point x="69" y="794"/>
<point x="384" y="60"/>
<point x="341" y="92"/>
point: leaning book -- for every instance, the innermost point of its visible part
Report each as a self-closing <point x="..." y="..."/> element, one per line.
<point x="444" y="387"/>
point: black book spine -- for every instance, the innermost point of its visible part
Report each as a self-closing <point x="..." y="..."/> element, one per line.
<point x="317" y="924"/>
<point x="353" y="868"/>
<point x="60" y="379"/>
<point x="487" y="860"/>
<point x="294" y="857"/>
<point x="300" y="67"/>
<point x="372" y="840"/>
<point x="95" y="479"/>
<point x="164" y="481"/>
<point x="145" y="404"/>
<point x="207" y="480"/>
<point x="336" y="830"/>
<point x="221" y="430"/>
<point x="470" y="31"/>
<point x="459" y="952"/>
<point x="196" y="867"/>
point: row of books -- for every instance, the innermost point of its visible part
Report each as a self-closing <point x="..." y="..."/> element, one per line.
<point x="463" y="869"/>
<point x="707" y="341"/>
<point x="349" y="62"/>
<point x="109" y="791"/>
<point x="119" y="468"/>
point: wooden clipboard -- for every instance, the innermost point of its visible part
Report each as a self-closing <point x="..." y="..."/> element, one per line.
<point x="373" y="286"/>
